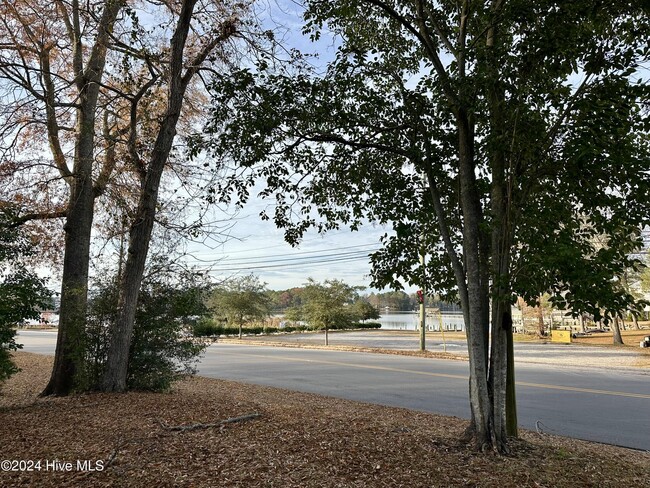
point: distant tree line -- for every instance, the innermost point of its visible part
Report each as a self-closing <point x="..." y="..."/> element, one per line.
<point x="244" y="304"/>
<point x="401" y="301"/>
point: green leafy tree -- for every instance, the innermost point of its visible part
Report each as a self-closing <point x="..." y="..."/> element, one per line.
<point x="644" y="277"/>
<point x="294" y="314"/>
<point x="365" y="311"/>
<point x="241" y="300"/>
<point x="282" y="300"/>
<point x="22" y="293"/>
<point x="328" y="304"/>
<point x="395" y="300"/>
<point x="500" y="137"/>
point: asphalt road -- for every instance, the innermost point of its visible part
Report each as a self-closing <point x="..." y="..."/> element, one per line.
<point x="593" y="404"/>
<point x="525" y="352"/>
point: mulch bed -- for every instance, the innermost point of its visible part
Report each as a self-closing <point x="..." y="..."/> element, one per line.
<point x="298" y="440"/>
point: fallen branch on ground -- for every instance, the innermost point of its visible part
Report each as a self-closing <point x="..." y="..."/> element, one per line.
<point x="232" y="420"/>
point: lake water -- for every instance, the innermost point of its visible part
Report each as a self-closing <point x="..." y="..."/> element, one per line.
<point x="410" y="321"/>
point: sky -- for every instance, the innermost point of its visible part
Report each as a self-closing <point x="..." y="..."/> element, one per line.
<point x="257" y="246"/>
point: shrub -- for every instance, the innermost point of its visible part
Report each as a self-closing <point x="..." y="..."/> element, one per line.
<point x="23" y="295"/>
<point x="207" y="327"/>
<point x="22" y="292"/>
<point x="368" y="325"/>
<point x="160" y="351"/>
<point x="7" y="344"/>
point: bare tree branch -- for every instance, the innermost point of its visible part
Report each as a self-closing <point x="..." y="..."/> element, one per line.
<point x="52" y="123"/>
<point x="17" y="222"/>
<point x="222" y="423"/>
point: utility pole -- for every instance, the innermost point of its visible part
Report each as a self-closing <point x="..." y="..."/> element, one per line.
<point x="423" y="297"/>
<point x="423" y="317"/>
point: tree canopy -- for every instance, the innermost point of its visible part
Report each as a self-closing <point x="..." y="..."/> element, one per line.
<point x="328" y="304"/>
<point x="365" y="311"/>
<point x="241" y="300"/>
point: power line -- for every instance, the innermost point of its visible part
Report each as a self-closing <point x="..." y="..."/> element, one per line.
<point x="295" y="256"/>
<point x="295" y="253"/>
<point x="301" y="242"/>
<point x="290" y="264"/>
<point x="261" y="260"/>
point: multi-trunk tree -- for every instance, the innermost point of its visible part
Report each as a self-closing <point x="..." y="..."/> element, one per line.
<point x="499" y="136"/>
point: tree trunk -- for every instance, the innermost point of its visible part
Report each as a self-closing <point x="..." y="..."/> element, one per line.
<point x="69" y="353"/>
<point x="618" y="339"/>
<point x="501" y="360"/>
<point x="142" y="227"/>
<point x="512" y="428"/>
<point x="502" y="350"/>
<point x="635" y="320"/>
<point x="118" y="354"/>
<point x="482" y="428"/>
<point x="139" y="241"/>
<point x="327" y="339"/>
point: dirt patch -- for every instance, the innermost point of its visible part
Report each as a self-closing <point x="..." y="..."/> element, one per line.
<point x="298" y="440"/>
<point x="631" y="338"/>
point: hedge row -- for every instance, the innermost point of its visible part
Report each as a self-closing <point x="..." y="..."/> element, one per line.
<point x="205" y="328"/>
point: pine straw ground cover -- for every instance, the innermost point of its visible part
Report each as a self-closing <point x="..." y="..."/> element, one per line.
<point x="298" y="440"/>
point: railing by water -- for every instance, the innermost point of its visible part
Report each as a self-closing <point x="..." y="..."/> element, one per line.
<point x="410" y="321"/>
